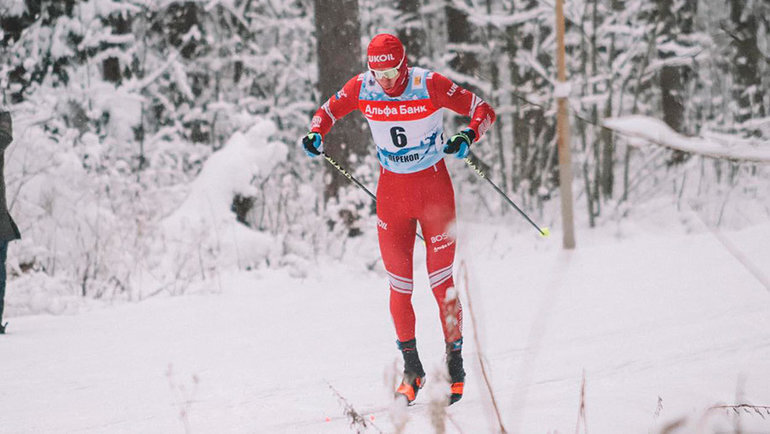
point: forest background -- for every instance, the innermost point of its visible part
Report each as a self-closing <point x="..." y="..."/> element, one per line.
<point x="122" y="107"/>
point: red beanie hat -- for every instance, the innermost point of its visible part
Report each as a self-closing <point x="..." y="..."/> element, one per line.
<point x="385" y="51"/>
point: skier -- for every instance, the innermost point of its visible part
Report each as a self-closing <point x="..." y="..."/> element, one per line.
<point x="403" y="106"/>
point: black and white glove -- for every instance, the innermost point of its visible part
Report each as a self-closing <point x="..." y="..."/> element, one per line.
<point x="460" y="143"/>
<point x="313" y="144"/>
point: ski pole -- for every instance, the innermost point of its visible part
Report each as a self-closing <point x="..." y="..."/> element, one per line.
<point x="337" y="166"/>
<point x="471" y="160"/>
<point x="347" y="174"/>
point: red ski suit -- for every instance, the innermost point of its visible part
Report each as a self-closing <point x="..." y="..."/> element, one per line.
<point x="414" y="185"/>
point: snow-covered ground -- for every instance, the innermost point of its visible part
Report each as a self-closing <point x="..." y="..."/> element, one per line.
<point x="662" y="323"/>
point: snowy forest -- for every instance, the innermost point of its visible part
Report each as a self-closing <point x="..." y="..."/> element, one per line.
<point x="157" y="154"/>
<point x="119" y="105"/>
<point x="156" y="140"/>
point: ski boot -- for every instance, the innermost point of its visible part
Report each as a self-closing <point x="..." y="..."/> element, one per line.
<point x="454" y="361"/>
<point x="414" y="375"/>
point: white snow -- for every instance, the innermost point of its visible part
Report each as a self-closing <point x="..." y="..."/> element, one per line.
<point x="663" y="324"/>
<point x="656" y="131"/>
<point x="13" y="8"/>
<point x="203" y="226"/>
<point x="562" y="89"/>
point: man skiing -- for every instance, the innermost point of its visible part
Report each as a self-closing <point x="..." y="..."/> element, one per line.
<point x="404" y="108"/>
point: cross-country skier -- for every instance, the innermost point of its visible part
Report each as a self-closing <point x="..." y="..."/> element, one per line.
<point x="404" y="108"/>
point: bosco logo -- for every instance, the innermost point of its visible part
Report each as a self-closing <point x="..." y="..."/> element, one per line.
<point x="439" y="238"/>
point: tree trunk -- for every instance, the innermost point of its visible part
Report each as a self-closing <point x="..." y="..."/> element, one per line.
<point x="677" y="21"/>
<point x="339" y="59"/>
<point x="582" y="126"/>
<point x="463" y="62"/>
<point x="671" y="85"/>
<point x="608" y="152"/>
<point x="608" y="144"/>
<point x="653" y="18"/>
<point x="412" y="34"/>
<point x="459" y="32"/>
<point x="748" y="91"/>
<point x="597" y="144"/>
<point x="529" y="139"/>
<point x="497" y="137"/>
<point x="520" y="129"/>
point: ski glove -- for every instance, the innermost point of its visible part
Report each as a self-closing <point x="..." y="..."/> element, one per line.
<point x="460" y="143"/>
<point x="313" y="144"/>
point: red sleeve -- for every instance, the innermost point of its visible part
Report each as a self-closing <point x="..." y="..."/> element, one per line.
<point x="336" y="107"/>
<point x="445" y="93"/>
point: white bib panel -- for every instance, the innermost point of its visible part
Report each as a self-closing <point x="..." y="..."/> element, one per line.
<point x="407" y="129"/>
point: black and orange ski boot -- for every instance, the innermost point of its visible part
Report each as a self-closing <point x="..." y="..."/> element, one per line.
<point x="454" y="361"/>
<point x="414" y="375"/>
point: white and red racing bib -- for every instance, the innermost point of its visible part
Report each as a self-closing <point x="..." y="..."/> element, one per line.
<point x="407" y="129"/>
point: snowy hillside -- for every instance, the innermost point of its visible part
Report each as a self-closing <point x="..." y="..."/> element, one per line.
<point x="664" y="325"/>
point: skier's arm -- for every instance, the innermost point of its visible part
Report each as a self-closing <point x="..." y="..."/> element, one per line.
<point x="445" y="93"/>
<point x="336" y="107"/>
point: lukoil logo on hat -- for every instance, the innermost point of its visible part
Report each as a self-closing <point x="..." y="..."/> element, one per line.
<point x="385" y="51"/>
<point x="381" y="58"/>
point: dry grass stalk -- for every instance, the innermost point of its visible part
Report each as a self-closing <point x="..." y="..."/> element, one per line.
<point x="357" y="421"/>
<point x="479" y="353"/>
<point x="582" y="410"/>
<point x="438" y="414"/>
<point x="760" y="410"/>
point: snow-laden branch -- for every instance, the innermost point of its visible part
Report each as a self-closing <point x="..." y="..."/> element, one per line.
<point x="230" y="8"/>
<point x="656" y="131"/>
<point x="146" y="81"/>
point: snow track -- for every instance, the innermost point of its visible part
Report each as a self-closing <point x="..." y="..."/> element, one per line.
<point x="664" y="327"/>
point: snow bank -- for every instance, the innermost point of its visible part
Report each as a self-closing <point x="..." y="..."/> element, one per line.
<point x="96" y="228"/>
<point x="69" y="231"/>
<point x="204" y="230"/>
<point x="656" y="131"/>
<point x="124" y="108"/>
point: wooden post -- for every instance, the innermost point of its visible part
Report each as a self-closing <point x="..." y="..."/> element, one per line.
<point x="562" y="137"/>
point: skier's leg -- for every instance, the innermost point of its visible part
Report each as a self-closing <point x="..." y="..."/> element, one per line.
<point x="437" y="221"/>
<point x="396" y="248"/>
<point x="396" y="234"/>
<point x="396" y="230"/>
<point x="438" y="225"/>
